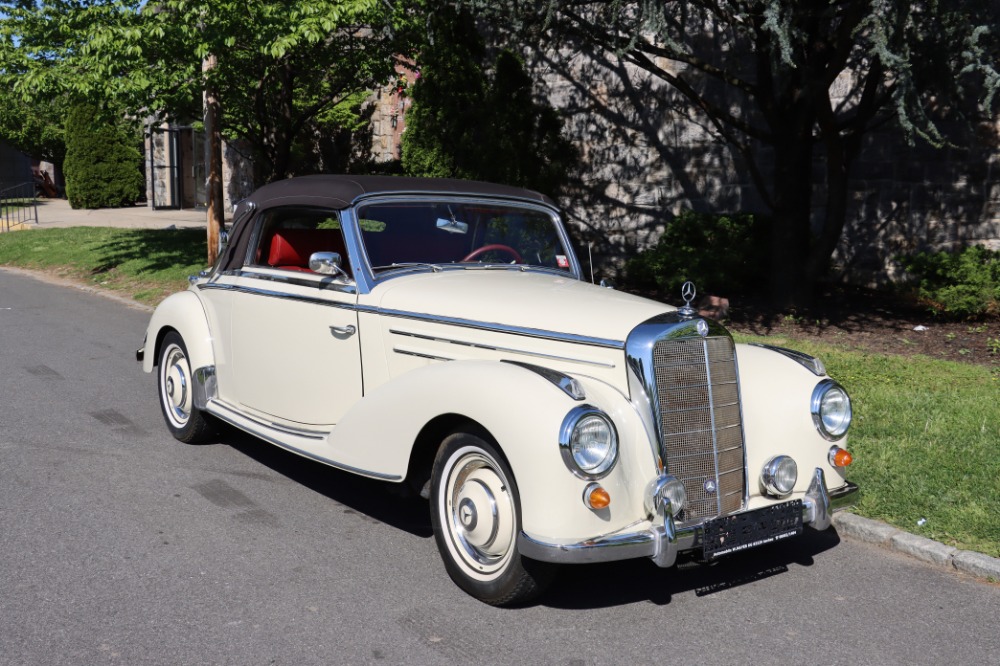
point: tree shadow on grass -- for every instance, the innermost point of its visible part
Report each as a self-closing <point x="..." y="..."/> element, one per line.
<point x="155" y="250"/>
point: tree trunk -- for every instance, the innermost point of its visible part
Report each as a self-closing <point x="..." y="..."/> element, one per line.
<point x="837" y="166"/>
<point x="790" y="233"/>
<point x="216" y="208"/>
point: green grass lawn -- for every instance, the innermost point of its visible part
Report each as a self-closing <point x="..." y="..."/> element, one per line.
<point x="926" y="442"/>
<point x="143" y="264"/>
<point x="926" y="434"/>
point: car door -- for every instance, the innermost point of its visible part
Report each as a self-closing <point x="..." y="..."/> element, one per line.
<point x="293" y="341"/>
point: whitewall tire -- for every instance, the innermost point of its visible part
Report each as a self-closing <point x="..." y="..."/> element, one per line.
<point x="175" y="387"/>
<point x="476" y="517"/>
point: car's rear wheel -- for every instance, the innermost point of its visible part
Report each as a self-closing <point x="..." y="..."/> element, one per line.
<point x="475" y="512"/>
<point x="185" y="421"/>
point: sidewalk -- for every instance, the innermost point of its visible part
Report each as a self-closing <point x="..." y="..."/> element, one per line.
<point x="54" y="213"/>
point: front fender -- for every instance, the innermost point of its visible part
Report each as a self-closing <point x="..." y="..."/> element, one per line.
<point x="523" y="412"/>
<point x="184" y="313"/>
<point x="776" y="393"/>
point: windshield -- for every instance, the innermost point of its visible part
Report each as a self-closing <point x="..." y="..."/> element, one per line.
<point x="463" y="234"/>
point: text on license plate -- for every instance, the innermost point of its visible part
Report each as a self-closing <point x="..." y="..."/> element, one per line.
<point x="730" y="534"/>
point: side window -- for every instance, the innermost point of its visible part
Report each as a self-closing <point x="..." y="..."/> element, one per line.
<point x="287" y="236"/>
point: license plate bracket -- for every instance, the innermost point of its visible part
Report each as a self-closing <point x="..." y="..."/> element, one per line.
<point x="741" y="531"/>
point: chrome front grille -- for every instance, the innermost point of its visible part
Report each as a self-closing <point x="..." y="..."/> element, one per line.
<point x="701" y="430"/>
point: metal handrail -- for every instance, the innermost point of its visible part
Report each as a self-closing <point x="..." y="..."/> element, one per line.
<point x="18" y="205"/>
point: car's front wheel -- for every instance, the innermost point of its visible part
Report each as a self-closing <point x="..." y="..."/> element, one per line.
<point x="185" y="421"/>
<point x="475" y="512"/>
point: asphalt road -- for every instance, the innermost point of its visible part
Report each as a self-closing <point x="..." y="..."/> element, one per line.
<point x="119" y="545"/>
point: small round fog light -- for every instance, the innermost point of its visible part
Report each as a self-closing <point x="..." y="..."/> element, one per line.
<point x="779" y="476"/>
<point x="662" y="489"/>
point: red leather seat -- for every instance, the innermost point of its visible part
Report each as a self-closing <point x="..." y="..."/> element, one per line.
<point x="291" y="248"/>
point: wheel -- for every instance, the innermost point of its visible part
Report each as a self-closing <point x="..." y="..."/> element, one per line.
<point x="476" y="517"/>
<point x="498" y="247"/>
<point x="185" y="421"/>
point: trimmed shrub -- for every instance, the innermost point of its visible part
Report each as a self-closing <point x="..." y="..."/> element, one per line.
<point x="963" y="284"/>
<point x="477" y="117"/>
<point x="102" y="167"/>
<point x="722" y="254"/>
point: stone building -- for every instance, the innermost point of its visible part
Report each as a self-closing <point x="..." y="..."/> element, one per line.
<point x="645" y="157"/>
<point x="175" y="159"/>
<point x="15" y="166"/>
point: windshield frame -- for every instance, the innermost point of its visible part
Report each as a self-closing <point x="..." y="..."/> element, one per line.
<point x="367" y="278"/>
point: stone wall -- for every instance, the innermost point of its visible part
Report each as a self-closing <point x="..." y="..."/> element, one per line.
<point x="645" y="157"/>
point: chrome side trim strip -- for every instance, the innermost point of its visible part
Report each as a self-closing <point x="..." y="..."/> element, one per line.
<point x="407" y="352"/>
<point x="492" y="327"/>
<point x="536" y="333"/>
<point x="810" y="363"/>
<point x="287" y="430"/>
<point x="563" y="382"/>
<point x="232" y="417"/>
<point x="269" y="293"/>
<point x="510" y="350"/>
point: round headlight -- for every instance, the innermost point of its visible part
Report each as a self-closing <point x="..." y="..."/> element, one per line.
<point x="779" y="476"/>
<point x="831" y="409"/>
<point x="589" y="443"/>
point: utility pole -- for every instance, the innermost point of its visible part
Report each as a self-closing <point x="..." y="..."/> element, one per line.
<point x="213" y="148"/>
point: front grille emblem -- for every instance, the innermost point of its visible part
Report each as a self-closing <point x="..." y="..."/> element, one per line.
<point x="702" y="327"/>
<point x="710" y="486"/>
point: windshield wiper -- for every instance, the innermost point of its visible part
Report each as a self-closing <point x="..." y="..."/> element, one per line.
<point x="408" y="264"/>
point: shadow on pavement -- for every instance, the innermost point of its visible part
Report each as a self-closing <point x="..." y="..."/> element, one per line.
<point x="576" y="586"/>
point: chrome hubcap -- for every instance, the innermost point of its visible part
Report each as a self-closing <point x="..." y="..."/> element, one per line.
<point x="480" y="513"/>
<point x="176" y="387"/>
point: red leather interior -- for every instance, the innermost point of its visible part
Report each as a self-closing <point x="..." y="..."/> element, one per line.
<point x="290" y="248"/>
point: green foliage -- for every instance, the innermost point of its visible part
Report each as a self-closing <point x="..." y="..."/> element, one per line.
<point x="476" y="118"/>
<point x="957" y="284"/>
<point x="34" y="129"/>
<point x="721" y="254"/>
<point x="281" y="64"/>
<point x="102" y="162"/>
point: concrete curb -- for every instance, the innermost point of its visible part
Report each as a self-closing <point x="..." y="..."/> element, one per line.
<point x="872" y="531"/>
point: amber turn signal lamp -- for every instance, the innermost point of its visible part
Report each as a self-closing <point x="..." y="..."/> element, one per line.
<point x="596" y="497"/>
<point x="840" y="457"/>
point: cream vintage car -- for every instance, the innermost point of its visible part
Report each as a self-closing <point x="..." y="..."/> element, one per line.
<point x="441" y="334"/>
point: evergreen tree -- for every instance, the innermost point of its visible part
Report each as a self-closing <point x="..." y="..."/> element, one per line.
<point x="102" y="162"/>
<point x="473" y="117"/>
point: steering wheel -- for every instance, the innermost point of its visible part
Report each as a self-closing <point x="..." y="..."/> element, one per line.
<point x="494" y="246"/>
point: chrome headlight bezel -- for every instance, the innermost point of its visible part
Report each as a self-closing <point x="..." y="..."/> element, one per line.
<point x="832" y="427"/>
<point x="569" y="442"/>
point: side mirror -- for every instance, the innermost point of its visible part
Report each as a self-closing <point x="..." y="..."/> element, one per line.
<point x="223" y="240"/>
<point x="327" y="263"/>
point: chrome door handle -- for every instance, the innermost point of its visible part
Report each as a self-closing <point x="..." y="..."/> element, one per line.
<point x="350" y="329"/>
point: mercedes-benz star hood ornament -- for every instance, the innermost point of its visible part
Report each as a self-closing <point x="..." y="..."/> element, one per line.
<point x="688" y="292"/>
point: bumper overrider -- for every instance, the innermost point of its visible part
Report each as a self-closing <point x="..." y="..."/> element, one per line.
<point x="662" y="540"/>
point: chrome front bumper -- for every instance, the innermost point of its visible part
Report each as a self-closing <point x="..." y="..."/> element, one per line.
<point x="663" y="540"/>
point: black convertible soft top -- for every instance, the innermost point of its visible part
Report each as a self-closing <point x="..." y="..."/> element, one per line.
<point x="340" y="191"/>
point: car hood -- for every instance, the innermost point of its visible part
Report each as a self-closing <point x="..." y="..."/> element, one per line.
<point x="511" y="298"/>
